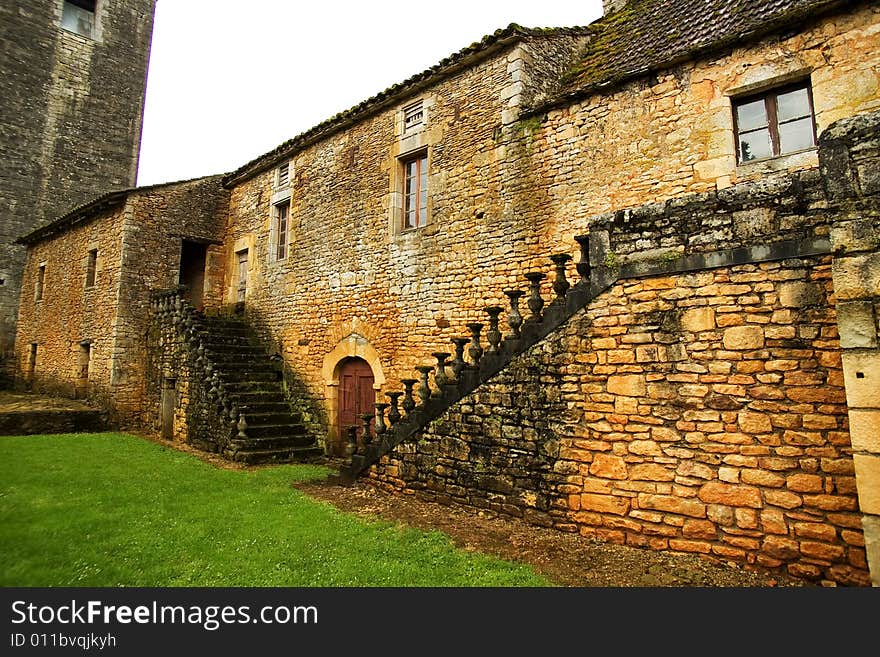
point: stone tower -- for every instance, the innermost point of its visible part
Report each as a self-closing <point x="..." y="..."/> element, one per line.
<point x="72" y="81"/>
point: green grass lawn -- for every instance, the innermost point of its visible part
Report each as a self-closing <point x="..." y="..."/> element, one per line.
<point x="111" y="509"/>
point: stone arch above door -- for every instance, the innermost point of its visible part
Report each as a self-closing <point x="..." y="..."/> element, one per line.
<point x="354" y="345"/>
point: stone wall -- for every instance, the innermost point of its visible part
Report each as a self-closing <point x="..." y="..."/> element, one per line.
<point x="670" y="134"/>
<point x="71" y="119"/>
<point x="851" y="153"/>
<point x="714" y="400"/>
<point x="352" y="276"/>
<point x="700" y="412"/>
<point x="138" y="245"/>
<point x="508" y="189"/>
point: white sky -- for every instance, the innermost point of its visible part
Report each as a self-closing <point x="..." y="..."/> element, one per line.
<point x="231" y="80"/>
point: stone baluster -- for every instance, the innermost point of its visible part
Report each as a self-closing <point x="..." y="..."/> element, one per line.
<point x="366" y="438"/>
<point x="200" y="359"/>
<point x="393" y="410"/>
<point x="535" y="301"/>
<point x="493" y="335"/>
<point x="352" y="441"/>
<point x="214" y="390"/>
<point x="440" y="378"/>
<point x="475" y="351"/>
<point x="583" y="265"/>
<point x="408" y="403"/>
<point x="425" y="388"/>
<point x="242" y="426"/>
<point x="458" y="364"/>
<point x="380" y="418"/>
<point x="561" y="284"/>
<point x="514" y="318"/>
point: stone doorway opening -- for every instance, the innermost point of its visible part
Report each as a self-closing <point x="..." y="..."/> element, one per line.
<point x="357" y="395"/>
<point x="193" y="256"/>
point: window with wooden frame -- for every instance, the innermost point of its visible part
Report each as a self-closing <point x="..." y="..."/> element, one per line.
<point x="91" y="267"/>
<point x="776" y="122"/>
<point x="281" y="229"/>
<point x="415" y="191"/>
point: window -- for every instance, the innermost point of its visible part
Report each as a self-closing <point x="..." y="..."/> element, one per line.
<point x="41" y="279"/>
<point x="78" y="16"/>
<point x="415" y="191"/>
<point x="91" y="267"/>
<point x="242" y="274"/>
<point x="413" y="117"/>
<point x="282" y="221"/>
<point x="282" y="175"/>
<point x="777" y="122"/>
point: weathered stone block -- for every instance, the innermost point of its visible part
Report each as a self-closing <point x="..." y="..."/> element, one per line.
<point x="867" y="467"/>
<point x="716" y="492"/>
<point x="630" y="385"/>
<point x="738" y="338"/>
<point x="864" y="430"/>
<point x="857" y="324"/>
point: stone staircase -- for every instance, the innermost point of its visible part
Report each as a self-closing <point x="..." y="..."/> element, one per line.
<point x="242" y="410"/>
<point x="458" y="377"/>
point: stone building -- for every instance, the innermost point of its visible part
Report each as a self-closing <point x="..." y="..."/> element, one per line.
<point x="619" y="279"/>
<point x="72" y="77"/>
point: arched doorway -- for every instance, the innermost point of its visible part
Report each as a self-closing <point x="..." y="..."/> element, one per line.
<point x="356" y="396"/>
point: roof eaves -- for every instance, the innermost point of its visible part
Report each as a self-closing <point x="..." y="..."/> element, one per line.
<point x="477" y="51"/>
<point x="778" y="24"/>
<point x="96" y="206"/>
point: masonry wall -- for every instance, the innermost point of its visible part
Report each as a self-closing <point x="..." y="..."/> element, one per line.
<point x="192" y="210"/>
<point x="352" y="276"/>
<point x="701" y="412"/>
<point x="719" y="398"/>
<point x="71" y="117"/>
<point x="69" y="313"/>
<point x="671" y="134"/>
<point x="138" y="251"/>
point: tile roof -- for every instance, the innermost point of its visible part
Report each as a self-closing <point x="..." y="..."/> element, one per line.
<point x="647" y="35"/>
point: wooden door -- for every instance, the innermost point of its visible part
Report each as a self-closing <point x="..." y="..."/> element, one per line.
<point x="356" y="396"/>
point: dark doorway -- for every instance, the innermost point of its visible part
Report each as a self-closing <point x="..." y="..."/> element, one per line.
<point x="168" y="405"/>
<point x="356" y="396"/>
<point x="192" y="271"/>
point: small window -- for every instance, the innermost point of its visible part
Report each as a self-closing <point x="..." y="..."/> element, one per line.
<point x="32" y="360"/>
<point x="413" y="117"/>
<point x="78" y="16"/>
<point x="415" y="191"/>
<point x="282" y="222"/>
<point x="282" y="177"/>
<point x="41" y="280"/>
<point x="91" y="267"/>
<point x="774" y="123"/>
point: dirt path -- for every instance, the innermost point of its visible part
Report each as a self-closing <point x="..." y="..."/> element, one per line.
<point x="566" y="559"/>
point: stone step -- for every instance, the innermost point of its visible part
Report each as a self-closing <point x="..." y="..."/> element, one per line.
<point x="274" y="442"/>
<point x="284" y="455"/>
<point x="255" y="418"/>
<point x="273" y="430"/>
<point x="237" y="388"/>
<point x="243" y="374"/>
<point x="272" y="407"/>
